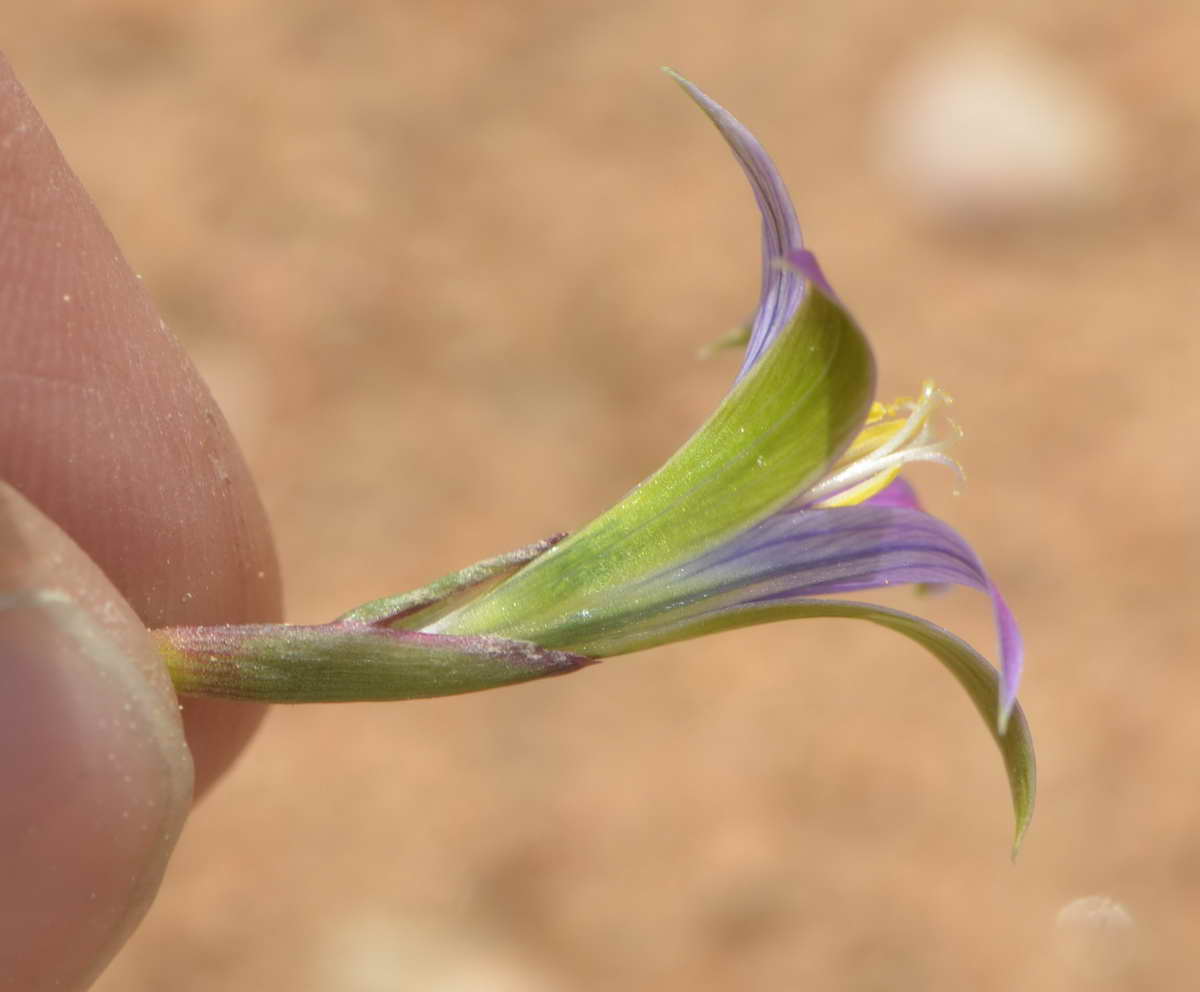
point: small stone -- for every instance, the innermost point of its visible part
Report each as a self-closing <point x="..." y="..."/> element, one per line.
<point x="982" y="126"/>
<point x="1096" y="937"/>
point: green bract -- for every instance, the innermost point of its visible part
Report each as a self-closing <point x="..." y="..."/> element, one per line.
<point x="773" y="436"/>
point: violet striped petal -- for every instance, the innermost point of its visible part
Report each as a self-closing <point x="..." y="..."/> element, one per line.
<point x="850" y="549"/>
<point x="900" y="493"/>
<point x="799" y="553"/>
<point x="782" y="287"/>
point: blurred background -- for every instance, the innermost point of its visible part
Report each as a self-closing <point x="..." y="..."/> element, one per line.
<point x="446" y="267"/>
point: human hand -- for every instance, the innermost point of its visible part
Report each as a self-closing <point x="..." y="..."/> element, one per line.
<point x="124" y="504"/>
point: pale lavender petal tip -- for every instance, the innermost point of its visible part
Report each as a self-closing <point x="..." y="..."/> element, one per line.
<point x="1012" y="654"/>
<point x="781" y="287"/>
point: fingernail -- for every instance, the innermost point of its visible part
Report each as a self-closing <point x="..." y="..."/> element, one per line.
<point x="96" y="782"/>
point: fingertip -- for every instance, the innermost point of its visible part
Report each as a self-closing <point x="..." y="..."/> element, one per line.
<point x="94" y="769"/>
<point x="106" y="425"/>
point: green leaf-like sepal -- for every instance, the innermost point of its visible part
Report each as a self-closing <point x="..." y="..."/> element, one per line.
<point x="775" y="433"/>
<point x="420" y="607"/>
<point x="972" y="671"/>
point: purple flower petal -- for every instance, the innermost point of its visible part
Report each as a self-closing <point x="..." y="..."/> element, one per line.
<point x="821" y="552"/>
<point x="898" y="493"/>
<point x="827" y="552"/>
<point x="800" y="553"/>
<point x="781" y="287"/>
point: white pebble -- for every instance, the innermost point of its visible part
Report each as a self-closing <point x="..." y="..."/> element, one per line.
<point x="981" y="126"/>
<point x="1096" y="936"/>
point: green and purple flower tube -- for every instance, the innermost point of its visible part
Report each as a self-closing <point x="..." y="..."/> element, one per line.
<point x="789" y="495"/>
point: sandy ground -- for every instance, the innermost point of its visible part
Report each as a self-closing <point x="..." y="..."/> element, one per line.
<point x="446" y="266"/>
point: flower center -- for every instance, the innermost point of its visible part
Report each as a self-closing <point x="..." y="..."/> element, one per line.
<point x="907" y="430"/>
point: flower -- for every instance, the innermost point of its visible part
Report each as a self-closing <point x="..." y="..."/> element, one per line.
<point x="789" y="495"/>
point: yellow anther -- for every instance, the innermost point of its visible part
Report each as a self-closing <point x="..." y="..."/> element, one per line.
<point x="894" y="434"/>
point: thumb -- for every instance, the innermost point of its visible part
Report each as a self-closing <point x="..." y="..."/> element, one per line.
<point x="95" y="776"/>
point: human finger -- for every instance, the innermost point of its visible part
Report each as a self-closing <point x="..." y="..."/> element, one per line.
<point x="106" y="426"/>
<point x="94" y="771"/>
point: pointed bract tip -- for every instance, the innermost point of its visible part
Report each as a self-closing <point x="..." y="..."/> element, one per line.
<point x="691" y="89"/>
<point x="1019" y="838"/>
